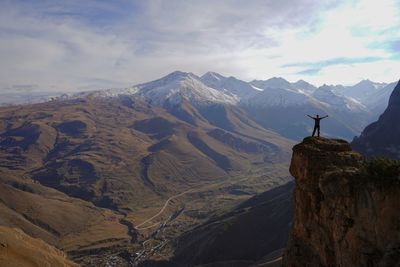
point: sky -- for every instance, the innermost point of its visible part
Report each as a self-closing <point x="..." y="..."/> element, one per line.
<point x="78" y="45"/>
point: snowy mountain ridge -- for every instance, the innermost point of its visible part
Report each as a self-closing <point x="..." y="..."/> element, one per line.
<point x="337" y="101"/>
<point x="179" y="85"/>
<point x="213" y="87"/>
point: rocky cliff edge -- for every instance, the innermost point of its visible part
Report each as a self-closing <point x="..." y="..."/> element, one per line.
<point x="343" y="215"/>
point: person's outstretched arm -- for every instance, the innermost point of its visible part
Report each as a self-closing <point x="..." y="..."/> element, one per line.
<point x="310" y="116"/>
<point x="324" y="117"/>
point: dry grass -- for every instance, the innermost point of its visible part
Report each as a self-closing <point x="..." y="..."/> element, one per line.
<point x="18" y="249"/>
<point x="93" y="150"/>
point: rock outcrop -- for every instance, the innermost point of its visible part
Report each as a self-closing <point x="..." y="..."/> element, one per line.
<point x="341" y="217"/>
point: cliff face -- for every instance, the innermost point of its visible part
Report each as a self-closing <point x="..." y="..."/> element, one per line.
<point x="340" y="218"/>
<point x="381" y="138"/>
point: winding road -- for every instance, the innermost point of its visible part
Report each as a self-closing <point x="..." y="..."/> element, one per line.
<point x="201" y="187"/>
<point x="139" y="226"/>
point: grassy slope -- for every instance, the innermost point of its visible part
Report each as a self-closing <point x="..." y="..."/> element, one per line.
<point x="18" y="249"/>
<point x="121" y="155"/>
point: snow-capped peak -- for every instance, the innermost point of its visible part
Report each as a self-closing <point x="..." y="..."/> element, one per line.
<point x="212" y="76"/>
<point x="370" y="84"/>
<point x="178" y="85"/>
<point x="176" y="75"/>
<point x="275" y="82"/>
<point x="363" y="90"/>
<point x="277" y="97"/>
<point x="228" y="85"/>
<point x="326" y="95"/>
<point x="304" y="86"/>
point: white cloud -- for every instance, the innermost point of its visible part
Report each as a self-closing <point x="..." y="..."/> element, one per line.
<point x="385" y="70"/>
<point x="255" y="40"/>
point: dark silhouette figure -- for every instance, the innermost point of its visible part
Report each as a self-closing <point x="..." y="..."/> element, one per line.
<point x="317" y="124"/>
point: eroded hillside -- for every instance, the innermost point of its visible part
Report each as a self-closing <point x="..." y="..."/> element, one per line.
<point x="83" y="174"/>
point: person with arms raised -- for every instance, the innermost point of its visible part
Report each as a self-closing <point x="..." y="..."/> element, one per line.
<point x="317" y="125"/>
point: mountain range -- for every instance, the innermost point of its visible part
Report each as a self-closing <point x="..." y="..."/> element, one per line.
<point x="115" y="176"/>
<point x="350" y="108"/>
<point x="253" y="232"/>
<point x="96" y="174"/>
<point x="275" y="103"/>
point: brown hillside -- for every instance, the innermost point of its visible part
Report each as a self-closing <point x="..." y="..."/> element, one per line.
<point x="61" y="162"/>
<point x="116" y="155"/>
<point x="18" y="249"/>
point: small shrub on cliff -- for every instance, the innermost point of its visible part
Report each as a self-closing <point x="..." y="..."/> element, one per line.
<point x="381" y="170"/>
